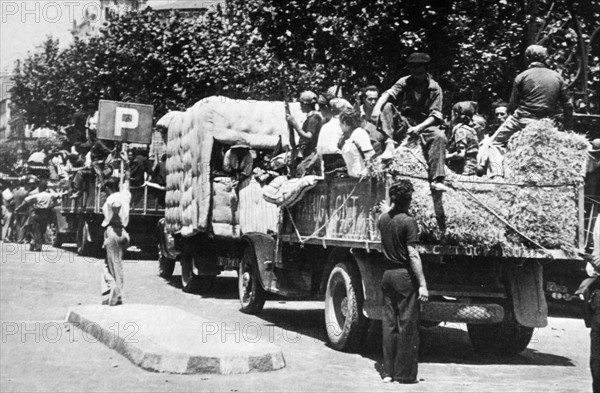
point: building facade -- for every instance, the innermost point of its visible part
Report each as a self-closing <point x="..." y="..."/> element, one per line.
<point x="5" y="85"/>
<point x="93" y="24"/>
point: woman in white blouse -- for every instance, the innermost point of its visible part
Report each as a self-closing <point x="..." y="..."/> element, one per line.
<point x="355" y="144"/>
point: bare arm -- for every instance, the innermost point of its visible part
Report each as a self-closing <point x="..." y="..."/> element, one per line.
<point x="379" y="105"/>
<point x="417" y="268"/>
<point x="292" y="122"/>
<point x="430" y="121"/>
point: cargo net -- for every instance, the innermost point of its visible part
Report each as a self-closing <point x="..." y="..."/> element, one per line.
<point x="534" y="206"/>
<point x="462" y="313"/>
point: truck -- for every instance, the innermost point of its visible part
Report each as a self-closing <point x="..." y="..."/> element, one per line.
<point x="326" y="246"/>
<point x="80" y="218"/>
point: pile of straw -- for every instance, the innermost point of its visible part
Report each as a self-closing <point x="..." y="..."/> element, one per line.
<point x="544" y="168"/>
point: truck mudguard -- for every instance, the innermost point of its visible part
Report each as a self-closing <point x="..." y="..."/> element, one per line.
<point x="526" y="285"/>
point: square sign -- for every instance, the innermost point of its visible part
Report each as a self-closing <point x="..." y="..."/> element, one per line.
<point x="125" y="121"/>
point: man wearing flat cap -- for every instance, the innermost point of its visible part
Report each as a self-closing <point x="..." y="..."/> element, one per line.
<point x="418" y="112"/>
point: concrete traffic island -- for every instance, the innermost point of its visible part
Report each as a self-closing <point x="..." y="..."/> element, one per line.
<point x="167" y="339"/>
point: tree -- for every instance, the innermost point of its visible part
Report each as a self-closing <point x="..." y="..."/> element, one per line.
<point x="254" y="47"/>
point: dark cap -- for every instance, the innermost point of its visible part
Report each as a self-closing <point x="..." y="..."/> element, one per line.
<point x="418" y="58"/>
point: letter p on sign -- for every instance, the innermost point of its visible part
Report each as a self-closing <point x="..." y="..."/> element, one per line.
<point x="125" y="118"/>
<point x="125" y="121"/>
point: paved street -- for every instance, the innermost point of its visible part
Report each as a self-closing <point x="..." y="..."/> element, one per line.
<point x="41" y="353"/>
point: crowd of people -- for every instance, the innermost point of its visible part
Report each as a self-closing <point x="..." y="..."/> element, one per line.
<point x="335" y="132"/>
<point x="26" y="211"/>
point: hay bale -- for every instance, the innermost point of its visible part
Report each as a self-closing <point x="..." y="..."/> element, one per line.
<point x="543" y="167"/>
<point x="190" y="138"/>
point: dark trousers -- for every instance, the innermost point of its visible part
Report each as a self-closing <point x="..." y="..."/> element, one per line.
<point x="39" y="221"/>
<point x="400" y="325"/>
<point x="433" y="140"/>
<point x="595" y="342"/>
<point x="433" y="143"/>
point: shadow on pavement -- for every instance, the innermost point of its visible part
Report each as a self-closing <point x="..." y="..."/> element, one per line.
<point x="451" y="344"/>
<point x="304" y="322"/>
<point x="222" y="288"/>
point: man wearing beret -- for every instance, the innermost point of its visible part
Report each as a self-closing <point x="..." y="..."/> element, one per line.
<point x="418" y="112"/>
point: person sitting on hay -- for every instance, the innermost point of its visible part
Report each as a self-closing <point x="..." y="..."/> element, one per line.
<point x="463" y="144"/>
<point x="538" y="92"/>
<point x="418" y="112"/>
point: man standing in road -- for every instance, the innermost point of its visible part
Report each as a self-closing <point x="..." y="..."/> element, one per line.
<point x="42" y="203"/>
<point x="403" y="286"/>
<point x="419" y="100"/>
<point x="116" y="238"/>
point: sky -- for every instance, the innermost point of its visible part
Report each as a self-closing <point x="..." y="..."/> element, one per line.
<point x="25" y="24"/>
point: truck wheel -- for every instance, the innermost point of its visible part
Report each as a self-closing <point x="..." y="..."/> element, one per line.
<point x="251" y="293"/>
<point x="191" y="282"/>
<point x="166" y="267"/>
<point x="505" y="338"/>
<point x="344" y="320"/>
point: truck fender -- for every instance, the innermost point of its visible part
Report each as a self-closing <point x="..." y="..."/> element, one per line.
<point x="335" y="256"/>
<point x="526" y="286"/>
<point x="371" y="275"/>
<point x="264" y="251"/>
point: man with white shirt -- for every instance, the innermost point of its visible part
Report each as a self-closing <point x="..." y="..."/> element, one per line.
<point x="42" y="203"/>
<point x="116" y="238"/>
<point x="331" y="132"/>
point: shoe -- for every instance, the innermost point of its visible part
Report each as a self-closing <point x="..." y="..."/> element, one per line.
<point x="387" y="380"/>
<point x="439" y="186"/>
<point x="406" y="381"/>
<point x="105" y="302"/>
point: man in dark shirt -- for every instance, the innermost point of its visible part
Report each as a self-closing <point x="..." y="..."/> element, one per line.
<point x="403" y="286"/>
<point x="537" y="92"/>
<point x="419" y="99"/>
<point x="309" y="132"/>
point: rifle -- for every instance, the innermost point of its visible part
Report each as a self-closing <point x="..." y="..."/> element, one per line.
<point x="291" y="130"/>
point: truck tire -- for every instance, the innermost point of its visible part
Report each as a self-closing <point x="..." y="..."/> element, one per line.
<point x="251" y="293"/>
<point x="191" y="282"/>
<point x="344" y="320"/>
<point x="505" y="338"/>
<point x="166" y="266"/>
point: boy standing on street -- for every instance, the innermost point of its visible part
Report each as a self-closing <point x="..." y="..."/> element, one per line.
<point x="116" y="238"/>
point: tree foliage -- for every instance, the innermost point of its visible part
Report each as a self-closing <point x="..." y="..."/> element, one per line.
<point x="254" y="47"/>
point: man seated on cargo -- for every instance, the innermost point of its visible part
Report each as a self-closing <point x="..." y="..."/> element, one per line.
<point x="538" y="92"/>
<point x="238" y="162"/>
<point x="419" y="112"/>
